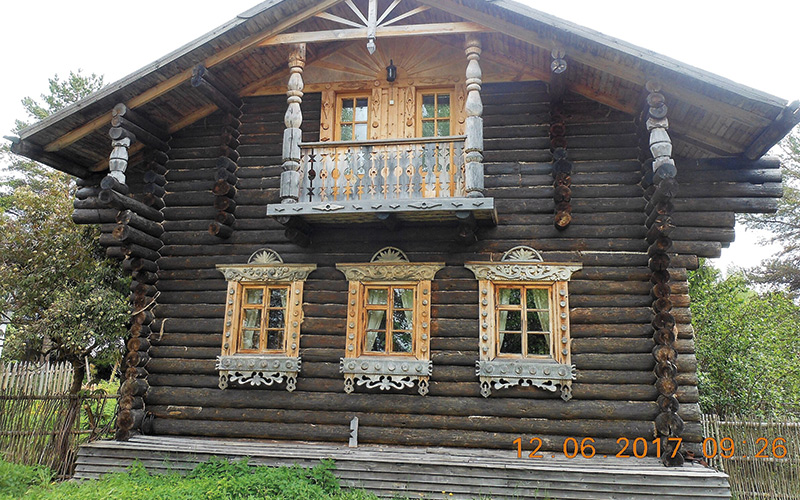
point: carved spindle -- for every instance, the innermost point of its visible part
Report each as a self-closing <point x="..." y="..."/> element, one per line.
<point x="474" y="122"/>
<point x="292" y="136"/>
<point x="118" y="160"/>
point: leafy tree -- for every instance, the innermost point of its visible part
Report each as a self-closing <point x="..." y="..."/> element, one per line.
<point x="61" y="299"/>
<point x="748" y="350"/>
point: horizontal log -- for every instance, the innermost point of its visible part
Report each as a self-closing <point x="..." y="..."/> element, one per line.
<point x="130" y="235"/>
<point x="130" y="218"/>
<point x="94" y="215"/>
<point x="145" y="136"/>
<point x="121" y="202"/>
<point x="122" y="111"/>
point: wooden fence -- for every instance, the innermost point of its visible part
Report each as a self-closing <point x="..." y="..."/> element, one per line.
<point x="41" y="423"/>
<point x="761" y="457"/>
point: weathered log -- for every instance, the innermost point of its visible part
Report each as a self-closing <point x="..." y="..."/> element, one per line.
<point x="220" y="230"/>
<point x="121" y="202"/>
<point x="137" y="359"/>
<point x="93" y="216"/>
<point x="298" y="237"/>
<point x="223" y="188"/>
<point x="153" y="201"/>
<point x="131" y="402"/>
<point x="122" y="111"/>
<point x="134" y="387"/>
<point x="226" y="163"/>
<point x="116" y="253"/>
<point x="137" y="251"/>
<point x="109" y="182"/>
<point x="152" y="177"/>
<point x="216" y="93"/>
<point x="153" y="189"/>
<point x="143" y="289"/>
<point x="138" y="344"/>
<point x="141" y="134"/>
<point x="119" y="133"/>
<point x="145" y="277"/>
<point x="130" y="218"/>
<point x="140" y="264"/>
<point x="225" y="204"/>
<point x="225" y="218"/>
<point x="130" y="235"/>
<point x="223" y="174"/>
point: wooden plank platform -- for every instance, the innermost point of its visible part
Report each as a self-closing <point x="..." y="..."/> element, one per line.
<point x="429" y="473"/>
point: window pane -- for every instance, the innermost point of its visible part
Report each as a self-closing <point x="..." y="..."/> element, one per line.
<point x="538" y="322"/>
<point x="443" y="128"/>
<point x="403" y="298"/>
<point x="510" y="296"/>
<point x="377" y="296"/>
<point x="376" y="320"/>
<point x="276" y="319"/>
<point x="347" y="132"/>
<point x="277" y="298"/>
<point x="250" y="340"/>
<point x="510" y="343"/>
<point x="376" y="342"/>
<point x="275" y="340"/>
<point x="539" y="344"/>
<point x="252" y="318"/>
<point x="428" y="129"/>
<point x="361" y="132"/>
<point x="443" y="106"/>
<point x="347" y="110"/>
<point x="362" y="109"/>
<point x="511" y="321"/>
<point x="402" y="320"/>
<point x="401" y="342"/>
<point x="538" y="298"/>
<point x="254" y="296"/>
<point x="428" y="106"/>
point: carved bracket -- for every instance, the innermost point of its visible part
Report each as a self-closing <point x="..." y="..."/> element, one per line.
<point x="543" y="374"/>
<point x="258" y="370"/>
<point x="386" y="374"/>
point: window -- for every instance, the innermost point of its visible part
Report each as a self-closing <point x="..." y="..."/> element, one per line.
<point x="388" y="322"/>
<point x="263" y="313"/>
<point x="435" y="114"/>
<point x="524" y="322"/>
<point x="353" y="114"/>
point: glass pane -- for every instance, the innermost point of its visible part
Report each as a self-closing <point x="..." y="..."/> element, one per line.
<point x="377" y="296"/>
<point x="444" y="128"/>
<point x="376" y="320"/>
<point x="428" y="129"/>
<point x="443" y="106"/>
<point x="402" y="320"/>
<point x="428" y="106"/>
<point x="347" y="110"/>
<point x="376" y="342"/>
<point x="539" y="344"/>
<point x="403" y="298"/>
<point x="361" y="132"/>
<point x="276" y="319"/>
<point x="510" y="343"/>
<point x="254" y="296"/>
<point x="277" y="298"/>
<point x="510" y="296"/>
<point x="401" y="342"/>
<point x="538" y="322"/>
<point x="538" y="298"/>
<point x="275" y="340"/>
<point x="512" y="321"/>
<point x="347" y="132"/>
<point x="252" y="318"/>
<point x="250" y="340"/>
<point x="362" y="109"/>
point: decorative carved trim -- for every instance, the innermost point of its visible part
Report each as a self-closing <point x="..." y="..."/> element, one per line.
<point x="389" y="254"/>
<point x="502" y="373"/>
<point x="266" y="272"/>
<point x="258" y="370"/>
<point x="386" y="373"/>
<point x="391" y="271"/>
<point x="265" y="256"/>
<point x="522" y="254"/>
<point x="483" y="208"/>
<point x="522" y="271"/>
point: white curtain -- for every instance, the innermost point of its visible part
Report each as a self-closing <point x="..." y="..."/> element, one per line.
<point x="408" y="303"/>
<point x="504" y="298"/>
<point x="375" y="318"/>
<point x="541" y="300"/>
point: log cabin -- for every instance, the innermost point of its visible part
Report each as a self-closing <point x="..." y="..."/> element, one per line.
<point x="421" y="237"/>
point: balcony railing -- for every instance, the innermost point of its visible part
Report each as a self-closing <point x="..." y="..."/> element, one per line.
<point x="402" y="169"/>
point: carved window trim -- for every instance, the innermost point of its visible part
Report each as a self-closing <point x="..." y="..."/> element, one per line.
<point x="389" y="267"/>
<point x="523" y="266"/>
<point x="268" y="367"/>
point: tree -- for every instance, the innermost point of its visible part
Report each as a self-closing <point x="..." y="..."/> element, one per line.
<point x="61" y="299"/>
<point x="783" y="271"/>
<point x="748" y="350"/>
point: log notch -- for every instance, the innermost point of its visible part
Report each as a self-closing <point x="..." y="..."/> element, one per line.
<point x="562" y="167"/>
<point x="296" y="231"/>
<point x="661" y="188"/>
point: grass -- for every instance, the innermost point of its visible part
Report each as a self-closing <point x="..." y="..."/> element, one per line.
<point x="212" y="480"/>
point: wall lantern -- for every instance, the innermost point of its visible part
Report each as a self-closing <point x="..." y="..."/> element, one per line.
<point x="391" y="72"/>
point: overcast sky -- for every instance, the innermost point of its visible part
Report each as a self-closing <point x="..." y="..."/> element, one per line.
<point x="752" y="43"/>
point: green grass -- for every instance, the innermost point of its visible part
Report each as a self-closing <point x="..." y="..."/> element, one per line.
<point x="212" y="480"/>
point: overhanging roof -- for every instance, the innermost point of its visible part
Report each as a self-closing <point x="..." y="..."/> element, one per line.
<point x="709" y="115"/>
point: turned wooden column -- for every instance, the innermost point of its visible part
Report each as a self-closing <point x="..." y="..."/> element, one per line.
<point x="121" y="140"/>
<point x="291" y="177"/>
<point x="473" y="146"/>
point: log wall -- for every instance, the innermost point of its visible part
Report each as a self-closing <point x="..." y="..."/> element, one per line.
<point x="613" y="395"/>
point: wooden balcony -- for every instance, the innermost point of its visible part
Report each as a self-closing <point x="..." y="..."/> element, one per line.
<point x="414" y="179"/>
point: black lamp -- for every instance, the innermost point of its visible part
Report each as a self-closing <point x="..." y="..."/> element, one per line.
<point x="391" y="72"/>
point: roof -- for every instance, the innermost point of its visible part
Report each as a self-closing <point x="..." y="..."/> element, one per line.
<point x="710" y="116"/>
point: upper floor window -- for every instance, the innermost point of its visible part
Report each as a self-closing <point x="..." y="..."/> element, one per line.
<point x="353" y="118"/>
<point x="435" y="114"/>
<point x="523" y="320"/>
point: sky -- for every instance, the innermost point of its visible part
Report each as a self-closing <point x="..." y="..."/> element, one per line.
<point x="751" y="43"/>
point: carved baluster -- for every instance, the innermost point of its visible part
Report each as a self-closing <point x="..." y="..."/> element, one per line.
<point x="385" y="171"/>
<point x="360" y="173"/>
<point x="292" y="136"/>
<point x="323" y="176"/>
<point x="474" y="123"/>
<point x="411" y="170"/>
<point x="350" y="163"/>
<point x="335" y="173"/>
<point x="373" y="173"/>
<point x="398" y="173"/>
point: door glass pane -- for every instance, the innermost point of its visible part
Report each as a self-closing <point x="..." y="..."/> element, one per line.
<point x="443" y="106"/>
<point x="362" y="109"/>
<point x="361" y="132"/>
<point x="538" y="298"/>
<point x="428" y="129"/>
<point x="401" y="342"/>
<point x="428" y="106"/>
<point x="252" y="318"/>
<point x="275" y="340"/>
<point x="377" y="296"/>
<point x="510" y="343"/>
<point x="347" y="110"/>
<point x="444" y="128"/>
<point x="276" y="319"/>
<point x="254" y="296"/>
<point x="510" y="296"/>
<point x="277" y="298"/>
<point x="250" y="340"/>
<point x="539" y="344"/>
<point x="347" y="132"/>
<point x="513" y="321"/>
<point x="403" y="298"/>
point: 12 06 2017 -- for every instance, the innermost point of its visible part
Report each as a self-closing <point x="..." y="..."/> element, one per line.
<point x="585" y="447"/>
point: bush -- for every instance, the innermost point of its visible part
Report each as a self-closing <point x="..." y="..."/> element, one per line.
<point x="15" y="479"/>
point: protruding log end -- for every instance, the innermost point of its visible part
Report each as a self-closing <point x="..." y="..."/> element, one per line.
<point x="220" y="230"/>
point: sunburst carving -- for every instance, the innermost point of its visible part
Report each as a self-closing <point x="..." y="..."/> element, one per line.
<point x="522" y="254"/>
<point x="265" y="256"/>
<point x="390" y="254"/>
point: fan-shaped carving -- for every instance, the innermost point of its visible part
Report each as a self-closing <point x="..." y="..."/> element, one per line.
<point x="522" y="254"/>
<point x="390" y="254"/>
<point x="265" y="256"/>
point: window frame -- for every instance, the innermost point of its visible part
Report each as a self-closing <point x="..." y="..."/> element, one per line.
<point x="524" y="332"/>
<point x="420" y="121"/>
<point x="337" y="132"/>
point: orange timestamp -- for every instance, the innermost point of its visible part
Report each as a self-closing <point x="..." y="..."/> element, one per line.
<point x="726" y="447"/>
<point x="574" y="447"/>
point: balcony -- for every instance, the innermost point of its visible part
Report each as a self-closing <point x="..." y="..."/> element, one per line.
<point x="378" y="180"/>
